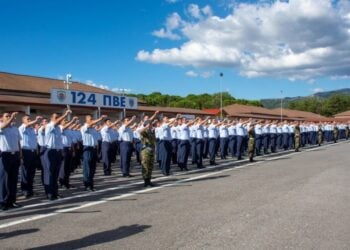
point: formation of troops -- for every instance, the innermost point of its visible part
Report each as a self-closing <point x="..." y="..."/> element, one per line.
<point x="58" y="145"/>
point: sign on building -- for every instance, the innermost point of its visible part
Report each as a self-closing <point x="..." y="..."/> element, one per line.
<point x="82" y="98"/>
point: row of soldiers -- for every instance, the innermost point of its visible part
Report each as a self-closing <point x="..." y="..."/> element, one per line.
<point x="59" y="145"/>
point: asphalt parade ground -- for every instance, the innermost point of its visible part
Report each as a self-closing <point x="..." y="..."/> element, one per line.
<point x="282" y="201"/>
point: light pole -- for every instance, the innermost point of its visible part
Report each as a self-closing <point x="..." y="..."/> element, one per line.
<point x="281" y="104"/>
<point x="221" y="76"/>
<point x="66" y="83"/>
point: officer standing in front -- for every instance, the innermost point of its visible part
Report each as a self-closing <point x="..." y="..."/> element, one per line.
<point x="28" y="142"/>
<point x="148" y="140"/>
<point x="9" y="161"/>
<point x="53" y="154"/>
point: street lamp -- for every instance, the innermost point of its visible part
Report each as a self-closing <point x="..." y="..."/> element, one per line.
<point x="281" y="104"/>
<point x="221" y="76"/>
<point x="66" y="83"/>
<point x="68" y="80"/>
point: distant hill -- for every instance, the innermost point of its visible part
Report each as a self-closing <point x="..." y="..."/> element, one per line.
<point x="276" y="102"/>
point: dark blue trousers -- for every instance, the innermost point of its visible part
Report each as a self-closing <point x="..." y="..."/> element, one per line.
<point x="157" y="150"/>
<point x="273" y="142"/>
<point x="183" y="152"/>
<point x="125" y="156"/>
<point x="205" y="148"/>
<point x="165" y="156"/>
<point x="174" y="147"/>
<point x="9" y="165"/>
<point x="212" y="150"/>
<point x="28" y="170"/>
<point x="223" y="147"/>
<point x="107" y="154"/>
<point x="240" y="142"/>
<point x="138" y="148"/>
<point x="193" y="150"/>
<point x="199" y="152"/>
<point x="266" y="142"/>
<point x="89" y="166"/>
<point x="258" y="144"/>
<point x="42" y="150"/>
<point x="53" y="158"/>
<point x="114" y="149"/>
<point x="232" y="145"/>
<point x="285" y="137"/>
<point x="66" y="167"/>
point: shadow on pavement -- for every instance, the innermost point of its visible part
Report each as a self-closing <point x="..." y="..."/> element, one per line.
<point x="17" y="233"/>
<point x="98" y="238"/>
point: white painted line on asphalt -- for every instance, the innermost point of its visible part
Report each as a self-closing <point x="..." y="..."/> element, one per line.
<point x="118" y="197"/>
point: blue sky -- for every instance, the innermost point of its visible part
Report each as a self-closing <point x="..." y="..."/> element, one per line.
<point x="121" y="44"/>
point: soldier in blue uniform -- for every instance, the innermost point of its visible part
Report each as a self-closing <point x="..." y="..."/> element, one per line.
<point x="89" y="137"/>
<point x="184" y="142"/>
<point x="126" y="138"/>
<point x="198" y="127"/>
<point x="165" y="144"/>
<point x="53" y="154"/>
<point x="28" y="144"/>
<point x="107" y="151"/>
<point x="67" y="153"/>
<point x="9" y="161"/>
<point x="213" y="134"/>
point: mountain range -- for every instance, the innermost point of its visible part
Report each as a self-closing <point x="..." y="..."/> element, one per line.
<point x="276" y="102"/>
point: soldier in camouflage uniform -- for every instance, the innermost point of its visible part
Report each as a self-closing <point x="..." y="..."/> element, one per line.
<point x="347" y="132"/>
<point x="148" y="140"/>
<point x="320" y="135"/>
<point x="335" y="132"/>
<point x="251" y="142"/>
<point x="297" y="137"/>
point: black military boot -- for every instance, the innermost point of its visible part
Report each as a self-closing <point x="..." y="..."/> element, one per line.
<point x="146" y="182"/>
<point x="150" y="183"/>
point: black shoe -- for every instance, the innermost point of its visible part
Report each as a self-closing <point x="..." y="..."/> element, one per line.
<point x="4" y="207"/>
<point x="150" y="183"/>
<point x="146" y="183"/>
<point x="127" y="175"/>
<point x="91" y="189"/>
<point x="185" y="168"/>
<point x="51" y="197"/>
<point x="29" y="195"/>
<point x="14" y="205"/>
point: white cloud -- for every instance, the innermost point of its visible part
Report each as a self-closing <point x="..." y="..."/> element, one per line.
<point x="101" y="86"/>
<point x="311" y="81"/>
<point x="172" y="1"/>
<point x="199" y="13"/>
<point x="194" y="11"/>
<point x="191" y="73"/>
<point x="173" y="22"/>
<point x="343" y="77"/>
<point x="205" y="74"/>
<point x="295" y="39"/>
<point x="317" y="90"/>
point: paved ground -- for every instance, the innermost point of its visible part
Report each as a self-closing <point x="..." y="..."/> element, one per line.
<point x="288" y="201"/>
